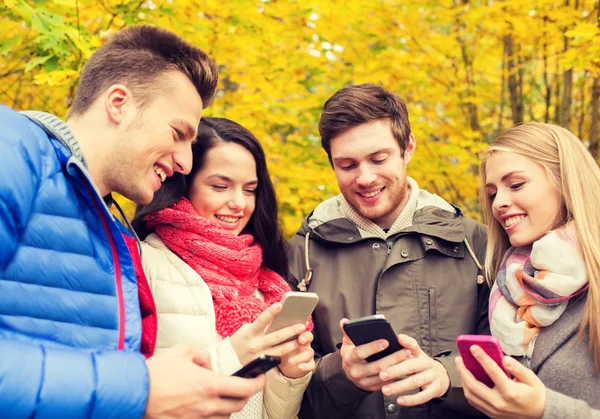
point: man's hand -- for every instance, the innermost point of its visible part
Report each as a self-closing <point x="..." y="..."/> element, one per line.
<point x="421" y="372"/>
<point x="365" y="375"/>
<point x="183" y="386"/>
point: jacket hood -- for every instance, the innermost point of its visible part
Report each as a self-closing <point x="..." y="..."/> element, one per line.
<point x="433" y="217"/>
<point x="59" y="130"/>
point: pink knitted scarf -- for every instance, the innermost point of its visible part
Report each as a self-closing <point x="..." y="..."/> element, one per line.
<point x="230" y="265"/>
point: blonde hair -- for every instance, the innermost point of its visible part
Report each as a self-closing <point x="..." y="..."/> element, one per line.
<point x="577" y="176"/>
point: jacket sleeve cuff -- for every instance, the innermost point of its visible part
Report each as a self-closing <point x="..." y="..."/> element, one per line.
<point x="559" y="406"/>
<point x="223" y="358"/>
<point x="330" y="372"/>
<point x="283" y="395"/>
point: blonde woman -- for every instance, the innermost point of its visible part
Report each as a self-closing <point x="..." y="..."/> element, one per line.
<point x="540" y="193"/>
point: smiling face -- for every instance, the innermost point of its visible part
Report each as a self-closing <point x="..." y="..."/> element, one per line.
<point x="525" y="201"/>
<point x="371" y="171"/>
<point x="224" y="189"/>
<point x="155" y="141"/>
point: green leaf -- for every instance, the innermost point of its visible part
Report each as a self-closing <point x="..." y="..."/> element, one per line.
<point x="7" y="44"/>
<point x="37" y="61"/>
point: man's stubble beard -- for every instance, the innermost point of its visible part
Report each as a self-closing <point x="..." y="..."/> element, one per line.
<point x="396" y="205"/>
<point x="122" y="175"/>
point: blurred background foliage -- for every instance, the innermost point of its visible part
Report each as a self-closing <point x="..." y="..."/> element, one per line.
<point x="467" y="69"/>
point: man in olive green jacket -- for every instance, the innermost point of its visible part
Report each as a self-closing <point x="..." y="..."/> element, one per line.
<point x="384" y="246"/>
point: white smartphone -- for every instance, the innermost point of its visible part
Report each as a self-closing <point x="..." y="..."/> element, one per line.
<point x="297" y="307"/>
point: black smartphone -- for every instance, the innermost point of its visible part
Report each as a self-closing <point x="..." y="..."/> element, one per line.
<point x="258" y="366"/>
<point x="371" y="328"/>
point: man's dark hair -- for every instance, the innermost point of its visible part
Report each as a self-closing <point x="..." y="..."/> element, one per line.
<point x="136" y="57"/>
<point x="359" y="104"/>
<point x="263" y="224"/>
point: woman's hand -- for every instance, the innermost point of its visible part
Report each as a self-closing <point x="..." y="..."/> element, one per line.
<point x="522" y="397"/>
<point x="250" y="339"/>
<point x="300" y="362"/>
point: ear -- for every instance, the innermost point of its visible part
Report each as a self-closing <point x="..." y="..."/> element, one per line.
<point x="410" y="148"/>
<point x="118" y="101"/>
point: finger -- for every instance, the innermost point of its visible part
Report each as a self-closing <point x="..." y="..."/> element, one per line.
<point x="362" y="352"/>
<point x="418" y="398"/>
<point x="372" y="383"/>
<point x="406" y="368"/>
<point x="392" y="361"/>
<point x="308" y="366"/>
<point x="476" y="387"/>
<point x="410" y="344"/>
<point x="237" y="387"/>
<point x="303" y="354"/>
<point x="305" y="338"/>
<point x="199" y="356"/>
<point x="280" y="336"/>
<point x="345" y="339"/>
<point x="283" y="349"/>
<point x="520" y="372"/>
<point x="473" y="400"/>
<point x="266" y="317"/>
<point x="410" y="383"/>
<point x="492" y="369"/>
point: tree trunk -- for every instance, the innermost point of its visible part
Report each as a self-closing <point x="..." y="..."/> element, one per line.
<point x="580" y="111"/>
<point x="557" y="94"/>
<point x="595" y="127"/>
<point x="516" y="105"/>
<point x="547" y="85"/>
<point x="502" y="94"/>
<point x="565" y="105"/>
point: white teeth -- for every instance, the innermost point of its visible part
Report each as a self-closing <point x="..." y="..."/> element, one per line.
<point x="513" y="220"/>
<point x="371" y="194"/>
<point x="160" y="172"/>
<point x="227" y="219"/>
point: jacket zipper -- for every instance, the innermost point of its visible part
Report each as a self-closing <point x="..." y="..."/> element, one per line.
<point x="390" y="245"/>
<point x="115" y="256"/>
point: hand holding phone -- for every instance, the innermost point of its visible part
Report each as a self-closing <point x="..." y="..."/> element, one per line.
<point x="297" y="308"/>
<point x="259" y="366"/>
<point x="368" y="329"/>
<point x="490" y="345"/>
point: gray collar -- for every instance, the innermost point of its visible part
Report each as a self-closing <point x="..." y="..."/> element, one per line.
<point x="59" y="130"/>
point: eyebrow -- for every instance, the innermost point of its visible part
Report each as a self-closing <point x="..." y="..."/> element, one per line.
<point x="506" y="176"/>
<point x="186" y="128"/>
<point x="228" y="179"/>
<point x="383" y="150"/>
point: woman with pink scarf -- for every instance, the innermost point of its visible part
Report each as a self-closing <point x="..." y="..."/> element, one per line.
<point x="215" y="259"/>
<point x="540" y="194"/>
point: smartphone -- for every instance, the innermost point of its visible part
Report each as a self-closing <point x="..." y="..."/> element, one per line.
<point x="371" y="328"/>
<point x="258" y="366"/>
<point x="490" y="345"/>
<point x="297" y="308"/>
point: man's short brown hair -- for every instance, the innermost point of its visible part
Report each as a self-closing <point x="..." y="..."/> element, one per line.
<point x="136" y="57"/>
<point x="359" y="104"/>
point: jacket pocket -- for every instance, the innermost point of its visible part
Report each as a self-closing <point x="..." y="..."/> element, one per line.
<point x="433" y="326"/>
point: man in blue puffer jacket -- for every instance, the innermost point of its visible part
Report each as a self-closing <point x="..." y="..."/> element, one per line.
<point x="70" y="326"/>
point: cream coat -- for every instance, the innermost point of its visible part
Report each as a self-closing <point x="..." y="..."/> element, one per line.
<point x="186" y="315"/>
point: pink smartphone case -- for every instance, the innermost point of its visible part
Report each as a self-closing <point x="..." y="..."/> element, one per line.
<point x="490" y="345"/>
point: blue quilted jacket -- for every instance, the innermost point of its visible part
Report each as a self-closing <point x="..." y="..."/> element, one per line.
<point x="70" y="325"/>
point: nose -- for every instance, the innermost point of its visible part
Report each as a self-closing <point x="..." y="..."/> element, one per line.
<point x="501" y="201"/>
<point x="366" y="176"/>
<point x="183" y="158"/>
<point x="237" y="201"/>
